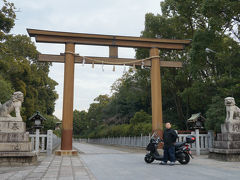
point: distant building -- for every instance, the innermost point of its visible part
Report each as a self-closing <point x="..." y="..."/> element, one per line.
<point x="58" y="125"/>
<point x="196" y="121"/>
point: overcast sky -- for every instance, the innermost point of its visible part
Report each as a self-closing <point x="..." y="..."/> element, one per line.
<point x="123" y="17"/>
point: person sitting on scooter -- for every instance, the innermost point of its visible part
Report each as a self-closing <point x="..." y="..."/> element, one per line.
<point x="169" y="139"/>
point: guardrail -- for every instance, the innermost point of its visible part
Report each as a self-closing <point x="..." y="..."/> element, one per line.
<point x="44" y="143"/>
<point x="202" y="144"/>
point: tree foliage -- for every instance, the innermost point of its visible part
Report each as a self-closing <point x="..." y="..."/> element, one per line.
<point x="211" y="70"/>
<point x="20" y="71"/>
<point x="215" y="114"/>
<point x="141" y="117"/>
<point x="7" y="17"/>
<point x="205" y="74"/>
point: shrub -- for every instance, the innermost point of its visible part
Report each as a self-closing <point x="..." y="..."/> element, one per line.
<point x="141" y="117"/>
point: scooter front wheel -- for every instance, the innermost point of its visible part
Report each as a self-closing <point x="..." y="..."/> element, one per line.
<point x="184" y="158"/>
<point x="148" y="158"/>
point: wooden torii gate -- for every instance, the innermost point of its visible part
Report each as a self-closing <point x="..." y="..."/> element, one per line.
<point x="69" y="58"/>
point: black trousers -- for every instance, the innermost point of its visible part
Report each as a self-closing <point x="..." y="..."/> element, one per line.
<point x="169" y="153"/>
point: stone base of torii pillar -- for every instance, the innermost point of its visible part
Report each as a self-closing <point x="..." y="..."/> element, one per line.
<point x="66" y="152"/>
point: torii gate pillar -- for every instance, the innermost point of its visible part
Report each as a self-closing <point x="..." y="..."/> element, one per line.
<point x="68" y="92"/>
<point x="156" y="91"/>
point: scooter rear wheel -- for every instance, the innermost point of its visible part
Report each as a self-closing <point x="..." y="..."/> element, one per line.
<point x="148" y="158"/>
<point x="184" y="158"/>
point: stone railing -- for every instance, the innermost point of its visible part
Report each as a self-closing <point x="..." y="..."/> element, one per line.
<point x="202" y="144"/>
<point x="44" y="143"/>
<point x="203" y="141"/>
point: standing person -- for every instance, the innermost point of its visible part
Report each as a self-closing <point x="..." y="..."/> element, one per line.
<point x="169" y="138"/>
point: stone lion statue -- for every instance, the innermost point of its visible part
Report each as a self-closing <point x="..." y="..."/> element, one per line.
<point x="14" y="104"/>
<point x="232" y="111"/>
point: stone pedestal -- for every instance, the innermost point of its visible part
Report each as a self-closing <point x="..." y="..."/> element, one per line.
<point x="66" y="152"/>
<point x="15" y="148"/>
<point x="227" y="146"/>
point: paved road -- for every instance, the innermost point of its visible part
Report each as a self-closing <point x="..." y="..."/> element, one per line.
<point x="107" y="163"/>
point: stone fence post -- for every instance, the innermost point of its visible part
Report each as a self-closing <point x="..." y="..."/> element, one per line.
<point x="49" y="142"/>
<point x="37" y="141"/>
<point x="210" y="139"/>
<point x="197" y="142"/>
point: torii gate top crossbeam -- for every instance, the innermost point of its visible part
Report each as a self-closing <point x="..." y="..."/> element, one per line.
<point x="105" y="40"/>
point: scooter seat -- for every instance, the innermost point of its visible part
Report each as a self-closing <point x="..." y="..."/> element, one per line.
<point x="178" y="144"/>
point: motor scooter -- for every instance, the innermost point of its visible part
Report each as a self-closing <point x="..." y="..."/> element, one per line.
<point x="182" y="150"/>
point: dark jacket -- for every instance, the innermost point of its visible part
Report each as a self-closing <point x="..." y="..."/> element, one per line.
<point x="169" y="137"/>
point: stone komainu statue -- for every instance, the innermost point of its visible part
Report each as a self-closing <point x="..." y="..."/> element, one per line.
<point x="14" y="104"/>
<point x="232" y="111"/>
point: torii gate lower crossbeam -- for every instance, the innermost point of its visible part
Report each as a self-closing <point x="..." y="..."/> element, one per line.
<point x="70" y="39"/>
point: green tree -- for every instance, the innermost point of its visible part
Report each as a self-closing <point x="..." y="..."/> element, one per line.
<point x="7" y="17"/>
<point x="6" y="90"/>
<point x="204" y="74"/>
<point x="50" y="123"/>
<point x="131" y="93"/>
<point x="20" y="71"/>
<point x="215" y="114"/>
<point x="141" y="117"/>
<point x="80" y="123"/>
